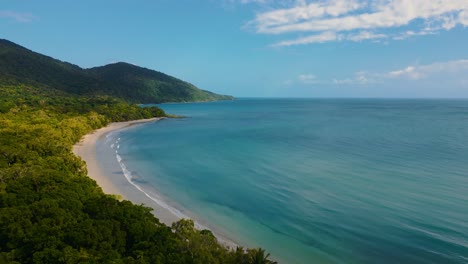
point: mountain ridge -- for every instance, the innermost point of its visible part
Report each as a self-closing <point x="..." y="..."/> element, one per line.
<point x="122" y="80"/>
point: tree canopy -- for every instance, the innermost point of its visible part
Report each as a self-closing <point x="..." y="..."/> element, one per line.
<point x="121" y="80"/>
<point x="51" y="212"/>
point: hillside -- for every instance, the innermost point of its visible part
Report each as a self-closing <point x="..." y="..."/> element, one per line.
<point x="19" y="65"/>
<point x="147" y="86"/>
<point x="50" y="211"/>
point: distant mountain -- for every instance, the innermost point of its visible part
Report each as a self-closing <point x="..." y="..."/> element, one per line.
<point x="129" y="82"/>
<point x="20" y="65"/>
<point x="145" y="85"/>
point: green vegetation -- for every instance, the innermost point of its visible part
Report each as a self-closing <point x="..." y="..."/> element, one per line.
<point x="147" y="86"/>
<point x="51" y="212"/>
<point x="122" y="80"/>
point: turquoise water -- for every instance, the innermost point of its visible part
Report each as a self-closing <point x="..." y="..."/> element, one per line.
<point x="316" y="181"/>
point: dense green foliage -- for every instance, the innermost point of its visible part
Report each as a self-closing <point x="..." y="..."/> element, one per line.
<point x="51" y="212"/>
<point x="122" y="80"/>
<point x="147" y="86"/>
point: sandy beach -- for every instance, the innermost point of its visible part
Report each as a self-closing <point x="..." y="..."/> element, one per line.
<point x="112" y="180"/>
<point x="109" y="176"/>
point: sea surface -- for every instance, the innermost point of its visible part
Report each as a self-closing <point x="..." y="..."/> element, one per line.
<point x="314" y="180"/>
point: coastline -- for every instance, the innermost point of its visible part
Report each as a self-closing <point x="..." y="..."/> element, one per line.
<point x="85" y="149"/>
<point x="114" y="183"/>
<point x="111" y="176"/>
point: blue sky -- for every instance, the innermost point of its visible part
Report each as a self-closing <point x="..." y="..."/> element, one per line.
<point x="256" y="48"/>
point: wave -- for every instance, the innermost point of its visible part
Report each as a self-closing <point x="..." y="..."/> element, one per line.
<point x="128" y="176"/>
<point x="159" y="201"/>
<point x="154" y="197"/>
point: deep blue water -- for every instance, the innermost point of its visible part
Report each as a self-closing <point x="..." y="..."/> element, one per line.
<point x="317" y="180"/>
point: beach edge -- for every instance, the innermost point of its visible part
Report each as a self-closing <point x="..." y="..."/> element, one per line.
<point x="86" y="149"/>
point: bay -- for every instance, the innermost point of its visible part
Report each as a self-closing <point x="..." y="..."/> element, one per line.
<point x="316" y="180"/>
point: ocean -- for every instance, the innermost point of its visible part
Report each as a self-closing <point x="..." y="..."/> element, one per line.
<point x="314" y="180"/>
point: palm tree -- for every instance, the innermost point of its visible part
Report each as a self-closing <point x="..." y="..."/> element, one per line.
<point x="257" y="256"/>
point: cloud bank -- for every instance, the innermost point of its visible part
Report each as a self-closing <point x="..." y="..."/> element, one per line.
<point x="425" y="71"/>
<point x="353" y="20"/>
<point x="438" y="71"/>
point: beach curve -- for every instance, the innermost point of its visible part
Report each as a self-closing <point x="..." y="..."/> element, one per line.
<point x="119" y="183"/>
<point x="109" y="183"/>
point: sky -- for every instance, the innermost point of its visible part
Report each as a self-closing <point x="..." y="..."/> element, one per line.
<point x="261" y="48"/>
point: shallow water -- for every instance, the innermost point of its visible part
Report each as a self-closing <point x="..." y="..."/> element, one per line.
<point x="316" y="181"/>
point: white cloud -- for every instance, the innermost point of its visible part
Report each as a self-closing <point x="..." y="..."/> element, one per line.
<point x="367" y="16"/>
<point x="320" y="38"/>
<point x="365" y="35"/>
<point x="18" y="17"/>
<point x="331" y="36"/>
<point x="409" y="72"/>
<point x="343" y="81"/>
<point x="428" y="70"/>
<point x="268" y="21"/>
<point x="455" y="71"/>
<point x="303" y="79"/>
<point x="361" y="77"/>
<point x="463" y="18"/>
<point x="410" y="33"/>
<point x="387" y="14"/>
<point x="307" y="78"/>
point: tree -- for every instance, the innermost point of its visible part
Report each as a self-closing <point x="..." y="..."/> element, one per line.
<point x="257" y="256"/>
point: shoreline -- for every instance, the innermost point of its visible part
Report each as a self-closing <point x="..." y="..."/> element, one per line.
<point x="86" y="150"/>
<point x="112" y="177"/>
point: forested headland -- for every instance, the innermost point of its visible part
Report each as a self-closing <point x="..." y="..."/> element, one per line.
<point x="121" y="80"/>
<point x="50" y="211"/>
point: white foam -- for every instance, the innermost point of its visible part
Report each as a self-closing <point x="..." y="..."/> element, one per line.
<point x="158" y="200"/>
<point x="108" y="138"/>
<point x="111" y="136"/>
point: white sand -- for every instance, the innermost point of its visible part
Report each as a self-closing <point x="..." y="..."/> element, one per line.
<point x="112" y="181"/>
<point x="86" y="150"/>
<point x="108" y="180"/>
